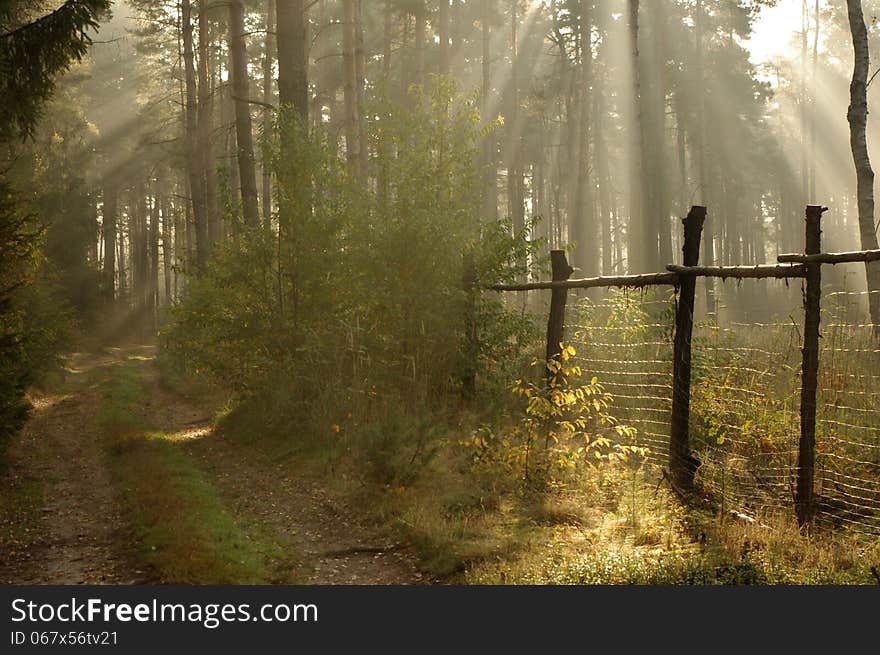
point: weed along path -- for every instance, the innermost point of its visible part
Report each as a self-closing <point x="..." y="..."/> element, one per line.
<point x="117" y="479"/>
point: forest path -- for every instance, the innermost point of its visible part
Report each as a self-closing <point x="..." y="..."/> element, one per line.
<point x="60" y="515"/>
<point x="62" y="521"/>
<point x="331" y="543"/>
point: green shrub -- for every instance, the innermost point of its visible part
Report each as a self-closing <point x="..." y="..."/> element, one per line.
<point x="359" y="288"/>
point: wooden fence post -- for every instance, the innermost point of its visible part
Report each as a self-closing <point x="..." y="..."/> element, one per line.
<point x="556" y="323"/>
<point x="804" y="498"/>
<point x="682" y="465"/>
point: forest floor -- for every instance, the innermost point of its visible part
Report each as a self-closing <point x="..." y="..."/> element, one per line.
<point x="79" y="504"/>
<point x="122" y="476"/>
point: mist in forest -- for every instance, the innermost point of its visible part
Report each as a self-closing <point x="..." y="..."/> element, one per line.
<point x="606" y="125"/>
<point x="327" y="231"/>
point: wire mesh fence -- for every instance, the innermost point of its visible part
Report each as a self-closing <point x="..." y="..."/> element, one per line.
<point x="745" y="398"/>
<point x="625" y="340"/>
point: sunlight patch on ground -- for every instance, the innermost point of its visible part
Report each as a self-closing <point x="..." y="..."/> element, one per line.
<point x="193" y="433"/>
<point x="45" y="403"/>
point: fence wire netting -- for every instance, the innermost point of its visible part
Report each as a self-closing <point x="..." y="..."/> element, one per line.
<point x="745" y="396"/>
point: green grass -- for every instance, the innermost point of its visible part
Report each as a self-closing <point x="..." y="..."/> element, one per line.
<point x="405" y="469"/>
<point x="183" y="529"/>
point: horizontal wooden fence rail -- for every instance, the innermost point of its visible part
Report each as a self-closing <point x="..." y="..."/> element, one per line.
<point x="807" y="265"/>
<point x="647" y="279"/>
<point x="831" y="257"/>
<point x="740" y="272"/>
<point x="672" y="277"/>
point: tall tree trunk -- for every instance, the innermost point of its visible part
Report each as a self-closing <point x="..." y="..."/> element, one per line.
<point x="490" y="198"/>
<point x="350" y="86"/>
<point x="420" y="35"/>
<point x="515" y="191"/>
<point x="138" y="237"/>
<point x="803" y="101"/>
<point x="812" y="180"/>
<point x="639" y="257"/>
<point x="659" y="175"/>
<point x="193" y="161"/>
<point x="293" y="85"/>
<point x="167" y="237"/>
<point x="153" y="285"/>
<point x="243" y="127"/>
<point x="360" y="68"/>
<point x="602" y="174"/>
<point x="122" y="284"/>
<point x="443" y="32"/>
<point x="387" y="24"/>
<point x="205" y="120"/>
<point x="858" y="120"/>
<point x="268" y="57"/>
<point x="110" y="217"/>
<point x="700" y="147"/>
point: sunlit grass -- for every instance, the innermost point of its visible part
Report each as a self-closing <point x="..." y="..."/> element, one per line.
<point x="183" y="529"/>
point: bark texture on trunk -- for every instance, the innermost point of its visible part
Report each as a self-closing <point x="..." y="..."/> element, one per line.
<point x="205" y="121"/>
<point x="193" y="161"/>
<point x="350" y="86"/>
<point x="268" y="58"/>
<point x="243" y="126"/>
<point x="109" y="232"/>
<point x="857" y="115"/>
<point x="293" y="86"/>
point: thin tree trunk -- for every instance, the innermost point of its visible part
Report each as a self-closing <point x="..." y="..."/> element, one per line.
<point x="443" y="32"/>
<point x="604" y="177"/>
<point x="153" y="300"/>
<point x="293" y="86"/>
<point x="110" y="217"/>
<point x="193" y="161"/>
<point x="490" y="201"/>
<point x="205" y="120"/>
<point x="349" y="72"/>
<point x="857" y="115"/>
<point x="812" y="181"/>
<point x="639" y="257"/>
<point x="659" y="176"/>
<point x="243" y="126"/>
<point x="703" y="176"/>
<point x="360" y="66"/>
<point x="167" y="236"/>
<point x="268" y="57"/>
<point x="582" y="220"/>
<point x="803" y="101"/>
<point x="515" y="199"/>
<point x="421" y="28"/>
<point x="386" y="44"/>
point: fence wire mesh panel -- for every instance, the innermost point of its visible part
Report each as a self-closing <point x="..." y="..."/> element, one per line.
<point x="745" y="403"/>
<point x="625" y="340"/>
<point x="848" y="416"/>
<point x="746" y="393"/>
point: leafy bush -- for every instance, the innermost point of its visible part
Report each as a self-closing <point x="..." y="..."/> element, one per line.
<point x="566" y="427"/>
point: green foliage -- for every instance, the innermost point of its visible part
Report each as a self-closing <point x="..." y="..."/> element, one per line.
<point x="33" y="54"/>
<point x="355" y="287"/>
<point x="566" y="427"/>
<point x="32" y="322"/>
